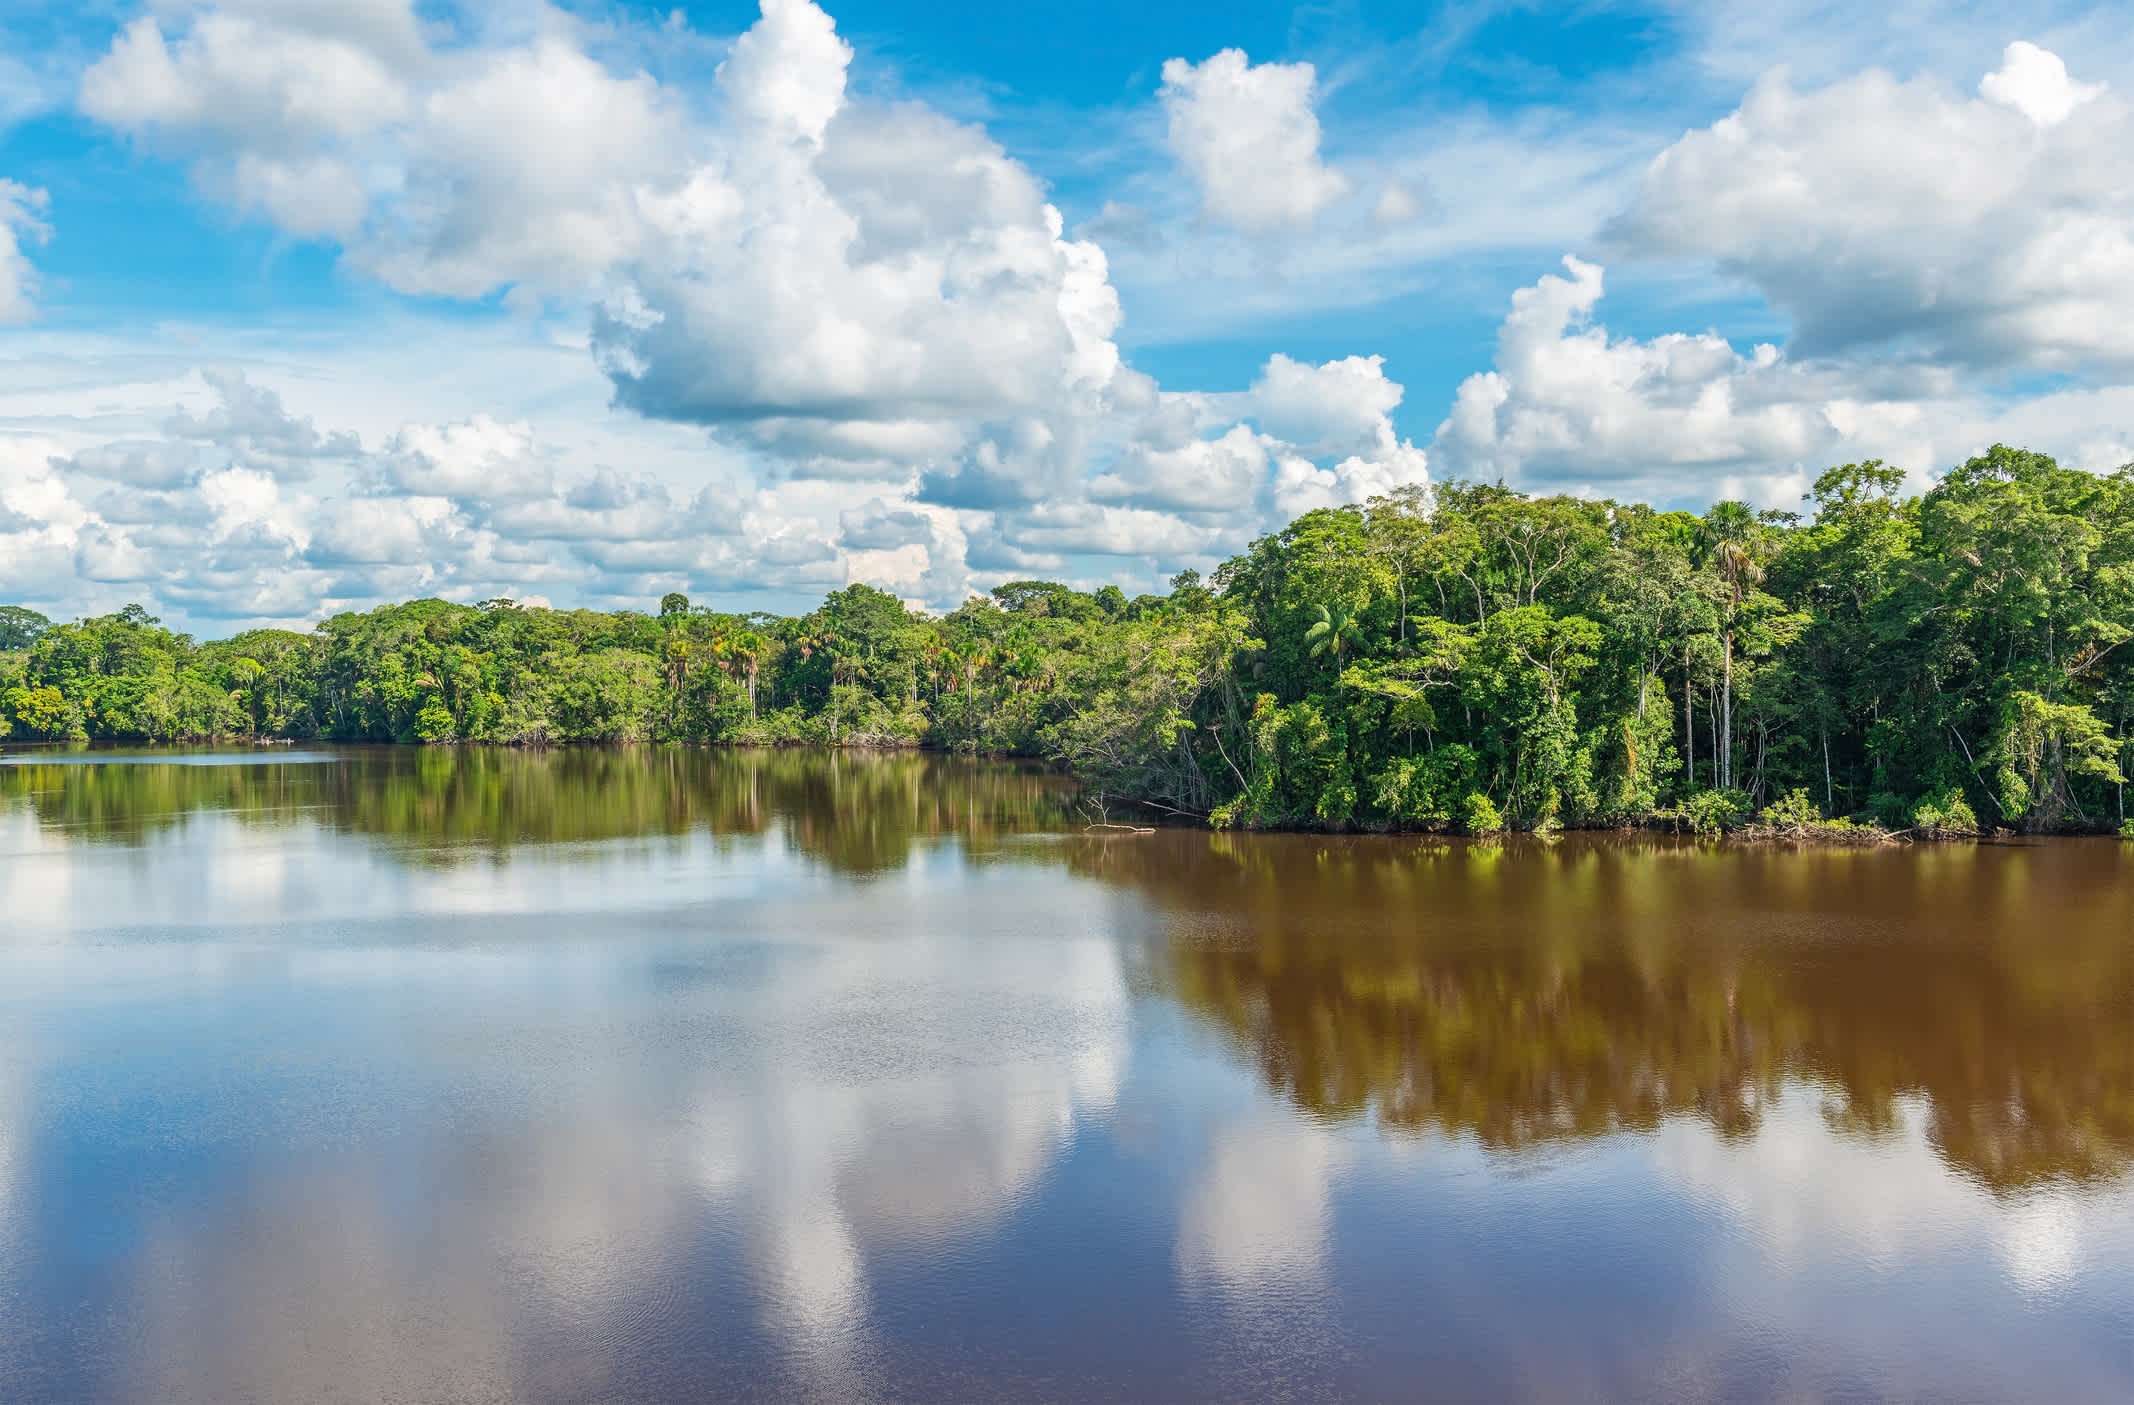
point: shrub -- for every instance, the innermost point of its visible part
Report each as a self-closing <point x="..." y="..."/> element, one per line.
<point x="1796" y="817"/>
<point x="1944" y="815"/>
<point x="1794" y="811"/>
<point x="1481" y="816"/>
<point x="434" y="724"/>
<point x="1709" y="812"/>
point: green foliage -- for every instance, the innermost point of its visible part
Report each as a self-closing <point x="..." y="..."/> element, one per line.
<point x="1479" y="815"/>
<point x="1333" y="633"/>
<point x="1791" y="811"/>
<point x="1050" y="598"/>
<point x="20" y="626"/>
<point x="1794" y="816"/>
<point x="1570" y="662"/>
<point x="1945" y="815"/>
<point x="2043" y="746"/>
<point x="1709" y="813"/>
<point x="41" y="712"/>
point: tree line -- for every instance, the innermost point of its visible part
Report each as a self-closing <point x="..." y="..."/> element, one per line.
<point x="1468" y="657"/>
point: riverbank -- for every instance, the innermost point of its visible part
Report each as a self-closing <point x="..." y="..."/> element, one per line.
<point x="1401" y="664"/>
<point x="1710" y="815"/>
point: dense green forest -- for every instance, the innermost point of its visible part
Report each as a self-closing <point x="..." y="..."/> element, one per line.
<point x="1465" y="658"/>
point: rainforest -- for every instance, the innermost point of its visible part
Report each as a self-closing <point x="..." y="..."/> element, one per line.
<point x="1465" y="658"/>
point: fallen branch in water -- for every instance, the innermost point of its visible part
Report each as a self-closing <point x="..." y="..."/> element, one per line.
<point x="1127" y="828"/>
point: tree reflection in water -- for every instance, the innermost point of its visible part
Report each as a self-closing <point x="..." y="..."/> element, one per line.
<point x="1523" y="992"/>
<point x="857" y="811"/>
<point x="1532" y="992"/>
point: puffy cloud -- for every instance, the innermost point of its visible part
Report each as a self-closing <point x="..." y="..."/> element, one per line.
<point x="786" y="74"/>
<point x="528" y="168"/>
<point x="1248" y="136"/>
<point x="32" y="491"/>
<point x="273" y="109"/>
<point x="920" y="551"/>
<point x="1048" y="532"/>
<point x="2034" y="82"/>
<point x="386" y="531"/>
<point x="1301" y="485"/>
<point x="876" y="526"/>
<point x="870" y="296"/>
<point x="1185" y="452"/>
<point x="140" y="463"/>
<point x="1341" y="407"/>
<point x="245" y="500"/>
<point x="110" y="556"/>
<point x="245" y="426"/>
<point x="873" y="304"/>
<point x="442" y="171"/>
<point x="1982" y="232"/>
<point x="1216" y="476"/>
<point x="251" y="422"/>
<point x="478" y="459"/>
<point x="20" y="207"/>
<point x="1570" y="407"/>
<point x="201" y="519"/>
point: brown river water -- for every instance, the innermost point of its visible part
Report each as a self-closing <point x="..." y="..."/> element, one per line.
<point x="428" y="1074"/>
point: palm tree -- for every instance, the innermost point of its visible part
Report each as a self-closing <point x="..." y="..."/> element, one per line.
<point x="930" y="661"/>
<point x="247" y="672"/>
<point x="677" y="653"/>
<point x="1729" y="527"/>
<point x="1334" y="633"/>
<point x="976" y="658"/>
<point x="747" y="651"/>
<point x="948" y="667"/>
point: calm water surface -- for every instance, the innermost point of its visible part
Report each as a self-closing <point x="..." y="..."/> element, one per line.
<point x="422" y="1074"/>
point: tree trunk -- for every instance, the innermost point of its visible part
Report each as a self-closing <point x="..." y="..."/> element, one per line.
<point x="1711" y="712"/>
<point x="1830" y="795"/>
<point x="1689" y="725"/>
<point x="1726" y="712"/>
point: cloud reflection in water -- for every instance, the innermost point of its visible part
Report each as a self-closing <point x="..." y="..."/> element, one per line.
<point x="519" y="1077"/>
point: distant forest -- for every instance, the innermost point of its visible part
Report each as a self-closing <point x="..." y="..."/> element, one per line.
<point x="1466" y="658"/>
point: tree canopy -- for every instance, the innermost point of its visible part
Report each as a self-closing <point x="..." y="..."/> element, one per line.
<point x="1469" y="658"/>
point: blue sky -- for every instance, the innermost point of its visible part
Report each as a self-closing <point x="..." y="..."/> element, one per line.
<point x="307" y="305"/>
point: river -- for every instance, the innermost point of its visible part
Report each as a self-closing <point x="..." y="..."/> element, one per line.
<point x="646" y="1074"/>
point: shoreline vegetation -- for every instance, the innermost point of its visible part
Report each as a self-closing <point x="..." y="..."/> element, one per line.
<point x="1466" y="660"/>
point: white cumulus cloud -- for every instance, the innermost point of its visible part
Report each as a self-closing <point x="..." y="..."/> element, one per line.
<point x="910" y="365"/>
<point x="2034" y="82"/>
<point x="854" y="284"/>
<point x="449" y="172"/>
<point x="1982" y="232"/>
<point x="1568" y="406"/>
<point x="1248" y="135"/>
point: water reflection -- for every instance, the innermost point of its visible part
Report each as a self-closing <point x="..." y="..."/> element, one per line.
<point x="857" y="811"/>
<point x="647" y="1074"/>
<point x="1527" y="993"/>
